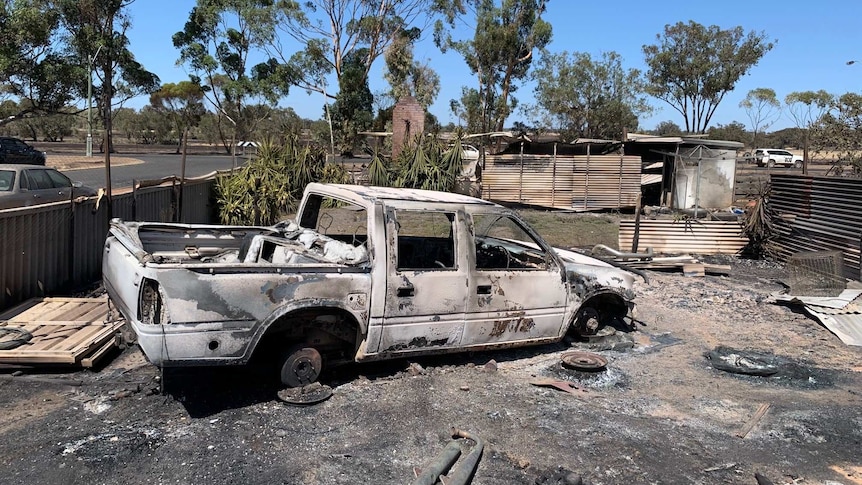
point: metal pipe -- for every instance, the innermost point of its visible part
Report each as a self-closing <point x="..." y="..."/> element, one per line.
<point x="441" y="464"/>
<point x="463" y="473"/>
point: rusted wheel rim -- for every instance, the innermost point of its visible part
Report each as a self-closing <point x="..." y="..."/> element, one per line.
<point x="583" y="361"/>
<point x="310" y="394"/>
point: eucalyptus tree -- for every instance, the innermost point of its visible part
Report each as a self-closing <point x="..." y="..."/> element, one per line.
<point x="34" y="64"/>
<point x="806" y="108"/>
<point x="216" y="44"/>
<point x="840" y="130"/>
<point x="500" y="54"/>
<point x="667" y="127"/>
<point x="585" y="97"/>
<point x="762" y="107"/>
<point x="329" y="32"/>
<point x="182" y="104"/>
<point x="407" y="76"/>
<point x="692" y="67"/>
<point x="96" y="35"/>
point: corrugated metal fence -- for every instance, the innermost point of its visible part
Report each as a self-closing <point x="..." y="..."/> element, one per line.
<point x="818" y="214"/>
<point x="54" y="247"/>
<point x="684" y="236"/>
<point x="580" y="182"/>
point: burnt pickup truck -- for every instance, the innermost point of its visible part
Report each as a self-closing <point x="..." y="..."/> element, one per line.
<point x="363" y="273"/>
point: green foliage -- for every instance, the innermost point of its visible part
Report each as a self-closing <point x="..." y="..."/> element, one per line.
<point x="585" y="97"/>
<point x="667" y="127"/>
<point x="352" y="110"/>
<point x="181" y="103"/>
<point x="840" y="130"/>
<point x="268" y="187"/>
<point x="499" y="54"/>
<point x="692" y="67"/>
<point x="762" y="107"/>
<point x="378" y="174"/>
<point x="407" y="77"/>
<point x="427" y="165"/>
<point x="733" y="131"/>
<point x="216" y="44"/>
<point x="33" y="67"/>
<point x="806" y="108"/>
<point x="786" y="138"/>
<point x="330" y="32"/>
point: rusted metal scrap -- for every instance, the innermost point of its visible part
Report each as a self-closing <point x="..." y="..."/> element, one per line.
<point x="562" y="385"/>
<point x="583" y="361"/>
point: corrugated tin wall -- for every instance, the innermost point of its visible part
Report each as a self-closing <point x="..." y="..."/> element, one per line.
<point x="34" y="249"/>
<point x="688" y="236"/>
<point x="55" y="247"/>
<point x="819" y="214"/>
<point x="582" y="182"/>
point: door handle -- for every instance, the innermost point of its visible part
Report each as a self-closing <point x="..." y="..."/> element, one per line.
<point x="483" y="290"/>
<point x="404" y="291"/>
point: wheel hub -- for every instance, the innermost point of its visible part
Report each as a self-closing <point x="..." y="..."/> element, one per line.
<point x="583" y="361"/>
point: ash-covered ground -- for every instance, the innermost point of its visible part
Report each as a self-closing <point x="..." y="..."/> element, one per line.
<point x="660" y="413"/>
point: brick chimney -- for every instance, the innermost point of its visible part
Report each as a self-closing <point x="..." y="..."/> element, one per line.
<point x="408" y="120"/>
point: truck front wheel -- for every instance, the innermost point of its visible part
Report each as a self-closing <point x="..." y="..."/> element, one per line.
<point x="300" y="365"/>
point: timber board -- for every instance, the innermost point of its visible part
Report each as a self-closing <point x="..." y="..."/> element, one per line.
<point x="74" y="331"/>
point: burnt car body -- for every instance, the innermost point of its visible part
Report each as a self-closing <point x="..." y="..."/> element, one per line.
<point x="26" y="185"/>
<point x="364" y="273"/>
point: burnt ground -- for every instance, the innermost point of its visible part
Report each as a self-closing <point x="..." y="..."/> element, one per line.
<point x="659" y="414"/>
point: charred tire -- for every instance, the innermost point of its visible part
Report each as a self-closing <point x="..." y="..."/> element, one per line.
<point x="300" y="365"/>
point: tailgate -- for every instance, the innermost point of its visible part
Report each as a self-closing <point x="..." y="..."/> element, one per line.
<point x="121" y="275"/>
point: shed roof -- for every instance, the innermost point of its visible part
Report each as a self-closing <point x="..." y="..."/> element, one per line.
<point x="374" y="194"/>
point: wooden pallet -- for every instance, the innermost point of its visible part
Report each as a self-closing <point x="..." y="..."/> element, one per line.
<point x="72" y="331"/>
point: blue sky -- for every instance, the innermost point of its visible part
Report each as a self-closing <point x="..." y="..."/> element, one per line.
<point x="814" y="42"/>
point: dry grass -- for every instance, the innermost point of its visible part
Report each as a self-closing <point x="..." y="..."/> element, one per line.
<point x="574" y="230"/>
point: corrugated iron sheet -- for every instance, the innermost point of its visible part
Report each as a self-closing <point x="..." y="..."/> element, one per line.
<point x="50" y="248"/>
<point x="651" y="178"/>
<point x="818" y="214"/>
<point x="34" y="251"/>
<point x="583" y="182"/>
<point x="689" y="236"/>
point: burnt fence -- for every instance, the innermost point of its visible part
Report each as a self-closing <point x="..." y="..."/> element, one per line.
<point x="819" y="214"/>
<point x="53" y="248"/>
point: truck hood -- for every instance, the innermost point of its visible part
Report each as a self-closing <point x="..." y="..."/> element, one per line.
<point x="589" y="275"/>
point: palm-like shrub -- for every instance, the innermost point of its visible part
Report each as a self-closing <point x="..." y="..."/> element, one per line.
<point x="268" y="187"/>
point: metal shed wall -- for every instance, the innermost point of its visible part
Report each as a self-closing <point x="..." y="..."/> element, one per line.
<point x="689" y="236"/>
<point x="581" y="182"/>
<point x="818" y="214"/>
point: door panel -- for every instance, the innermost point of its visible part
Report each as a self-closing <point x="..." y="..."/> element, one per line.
<point x="426" y="281"/>
<point x="516" y="291"/>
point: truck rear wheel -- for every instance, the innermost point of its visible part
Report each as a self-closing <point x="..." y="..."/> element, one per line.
<point x="300" y="365"/>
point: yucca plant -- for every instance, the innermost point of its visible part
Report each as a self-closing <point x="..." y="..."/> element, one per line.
<point x="268" y="187"/>
<point x="378" y="174"/>
<point x="758" y="227"/>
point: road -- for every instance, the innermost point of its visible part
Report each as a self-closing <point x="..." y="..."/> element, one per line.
<point x="154" y="166"/>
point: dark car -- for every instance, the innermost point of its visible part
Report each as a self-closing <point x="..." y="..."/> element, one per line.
<point x="23" y="185"/>
<point x="13" y="150"/>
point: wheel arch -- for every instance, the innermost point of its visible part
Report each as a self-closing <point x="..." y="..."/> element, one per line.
<point x="608" y="304"/>
<point x="347" y="325"/>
